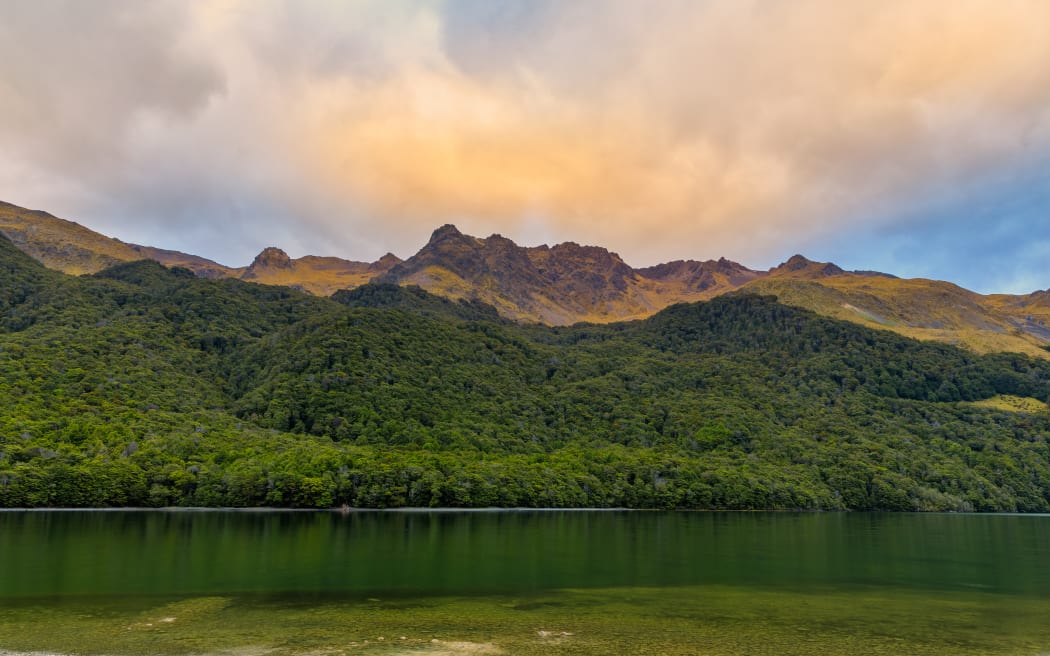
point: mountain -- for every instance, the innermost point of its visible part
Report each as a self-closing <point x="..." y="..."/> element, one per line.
<point x="147" y="386"/>
<point x="710" y="276"/>
<point x="59" y="244"/>
<point x="71" y="248"/>
<point x="569" y="283"/>
<point x="558" y="285"/>
<point x="318" y="275"/>
<point x="800" y="267"/>
<point x="919" y="308"/>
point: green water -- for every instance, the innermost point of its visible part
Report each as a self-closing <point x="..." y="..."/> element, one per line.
<point x="260" y="582"/>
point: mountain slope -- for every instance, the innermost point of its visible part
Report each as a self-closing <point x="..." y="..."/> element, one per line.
<point x="201" y="266"/>
<point x="318" y="275"/>
<point x="692" y="277"/>
<point x="142" y="385"/>
<point x="919" y="308"/>
<point x="59" y="244"/>
<point x="417" y="300"/>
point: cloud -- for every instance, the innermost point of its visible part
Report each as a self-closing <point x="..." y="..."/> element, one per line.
<point x="662" y="130"/>
<point x="73" y="75"/>
<point x="719" y="126"/>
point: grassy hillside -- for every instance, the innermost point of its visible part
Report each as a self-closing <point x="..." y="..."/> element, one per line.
<point x="59" y="244"/>
<point x="147" y="386"/>
<point x="929" y="310"/>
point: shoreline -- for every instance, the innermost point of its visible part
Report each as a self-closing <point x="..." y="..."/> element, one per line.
<point x="496" y="509"/>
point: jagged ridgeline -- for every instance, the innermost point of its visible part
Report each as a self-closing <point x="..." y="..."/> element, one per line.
<point x="146" y="386"/>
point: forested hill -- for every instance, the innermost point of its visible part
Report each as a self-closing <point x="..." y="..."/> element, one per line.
<point x="144" y="386"/>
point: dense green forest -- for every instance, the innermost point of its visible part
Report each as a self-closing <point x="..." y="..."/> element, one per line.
<point x="143" y="386"/>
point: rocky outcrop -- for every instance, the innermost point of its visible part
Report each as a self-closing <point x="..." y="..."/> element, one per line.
<point x="270" y="258"/>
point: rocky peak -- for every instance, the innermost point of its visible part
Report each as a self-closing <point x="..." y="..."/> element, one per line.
<point x="796" y="263"/>
<point x="445" y="233"/>
<point x="726" y="266"/>
<point x="499" y="243"/>
<point x="799" y="264"/>
<point x="272" y="258"/>
<point x="572" y="252"/>
<point x="386" y="262"/>
<point x="700" y="273"/>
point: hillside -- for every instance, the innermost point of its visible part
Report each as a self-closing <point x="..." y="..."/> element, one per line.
<point x="924" y="309"/>
<point x="146" y="386"/>
<point x="317" y="275"/>
<point x="202" y="267"/>
<point x="569" y="283"/>
<point x="59" y="244"/>
<point x="71" y="248"/>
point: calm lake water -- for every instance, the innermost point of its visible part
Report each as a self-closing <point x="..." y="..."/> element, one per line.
<point x="523" y="582"/>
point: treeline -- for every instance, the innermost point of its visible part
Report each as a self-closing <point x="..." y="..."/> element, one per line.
<point x="143" y="386"/>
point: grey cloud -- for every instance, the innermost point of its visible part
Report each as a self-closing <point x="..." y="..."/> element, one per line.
<point x="76" y="74"/>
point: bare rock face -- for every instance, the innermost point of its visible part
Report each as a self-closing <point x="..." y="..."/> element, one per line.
<point x="271" y="258"/>
<point x="560" y="284"/>
<point x="701" y="276"/>
<point x="385" y="263"/>
<point x="444" y="233"/>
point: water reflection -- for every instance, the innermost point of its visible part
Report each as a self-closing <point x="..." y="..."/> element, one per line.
<point x="370" y="553"/>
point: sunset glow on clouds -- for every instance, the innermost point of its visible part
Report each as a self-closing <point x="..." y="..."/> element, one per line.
<point x="912" y="137"/>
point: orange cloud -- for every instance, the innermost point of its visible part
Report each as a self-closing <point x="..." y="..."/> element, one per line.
<point x="731" y="123"/>
<point x="670" y="129"/>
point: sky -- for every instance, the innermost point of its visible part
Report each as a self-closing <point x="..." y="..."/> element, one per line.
<point x="907" y="136"/>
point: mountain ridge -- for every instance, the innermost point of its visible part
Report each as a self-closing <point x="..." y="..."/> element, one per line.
<point x="568" y="283"/>
<point x="71" y="248"/>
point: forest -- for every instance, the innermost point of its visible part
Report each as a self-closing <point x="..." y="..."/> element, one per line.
<point x="146" y="386"/>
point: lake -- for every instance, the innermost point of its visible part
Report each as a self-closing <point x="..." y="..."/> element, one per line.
<point x="522" y="582"/>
